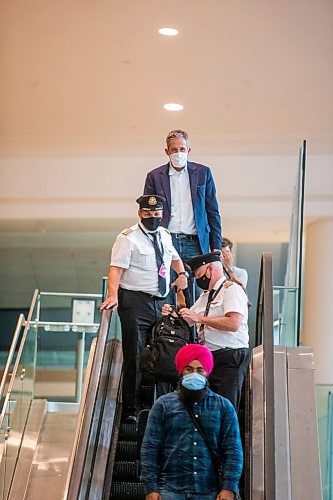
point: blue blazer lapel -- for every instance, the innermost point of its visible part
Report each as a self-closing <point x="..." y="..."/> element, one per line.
<point x="193" y="175"/>
<point x="166" y="184"/>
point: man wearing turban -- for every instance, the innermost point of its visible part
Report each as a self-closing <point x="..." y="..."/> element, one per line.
<point x="176" y="463"/>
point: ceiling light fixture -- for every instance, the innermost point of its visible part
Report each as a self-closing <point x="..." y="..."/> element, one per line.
<point x="168" y="31"/>
<point x="172" y="106"/>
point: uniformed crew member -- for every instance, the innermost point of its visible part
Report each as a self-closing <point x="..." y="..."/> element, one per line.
<point x="138" y="283"/>
<point x="221" y="315"/>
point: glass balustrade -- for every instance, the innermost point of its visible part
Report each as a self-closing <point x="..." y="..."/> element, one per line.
<point x="50" y="364"/>
<point x="67" y="324"/>
<point x="285" y="300"/>
<point x="16" y="403"/>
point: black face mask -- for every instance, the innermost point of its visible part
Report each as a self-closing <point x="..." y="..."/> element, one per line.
<point x="203" y="282"/>
<point x="151" y="223"/>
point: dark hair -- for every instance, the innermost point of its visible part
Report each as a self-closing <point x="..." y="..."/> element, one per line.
<point x="227" y="243"/>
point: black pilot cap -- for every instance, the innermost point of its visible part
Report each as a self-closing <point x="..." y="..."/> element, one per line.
<point x="151" y="202"/>
<point x="205" y="258"/>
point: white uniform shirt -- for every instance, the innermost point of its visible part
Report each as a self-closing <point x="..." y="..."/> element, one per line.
<point x="134" y="251"/>
<point x="241" y="274"/>
<point x="182" y="216"/>
<point x="231" y="298"/>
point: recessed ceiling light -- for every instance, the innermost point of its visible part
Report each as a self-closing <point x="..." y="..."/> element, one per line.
<point x="168" y="31"/>
<point x="172" y="106"/>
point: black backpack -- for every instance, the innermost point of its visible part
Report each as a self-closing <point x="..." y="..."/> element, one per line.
<point x="157" y="359"/>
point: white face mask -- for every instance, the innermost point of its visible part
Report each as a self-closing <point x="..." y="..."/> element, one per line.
<point x="178" y="159"/>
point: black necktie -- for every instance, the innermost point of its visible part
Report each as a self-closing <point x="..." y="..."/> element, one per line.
<point x="159" y="263"/>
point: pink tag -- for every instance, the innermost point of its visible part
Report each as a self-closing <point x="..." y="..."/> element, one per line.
<point x="162" y="271"/>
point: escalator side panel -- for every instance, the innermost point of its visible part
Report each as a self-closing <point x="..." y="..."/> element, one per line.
<point x="108" y="432"/>
<point x="304" y="453"/>
<point x="257" y="438"/>
<point x="96" y="423"/>
<point x="81" y="450"/>
<point x="297" y="468"/>
<point x="282" y="448"/>
<point x="12" y="444"/>
<point x="28" y="448"/>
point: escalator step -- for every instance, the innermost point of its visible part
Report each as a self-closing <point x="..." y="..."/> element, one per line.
<point x="132" y="491"/>
<point x="126" y="450"/>
<point x="127" y="432"/>
<point x="145" y="406"/>
<point x="147" y="394"/>
<point x="126" y="471"/>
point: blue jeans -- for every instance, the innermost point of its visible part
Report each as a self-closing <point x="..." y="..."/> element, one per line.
<point x="187" y="249"/>
<point x="170" y="495"/>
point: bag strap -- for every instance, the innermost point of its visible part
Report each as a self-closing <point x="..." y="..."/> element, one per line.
<point x="215" y="459"/>
<point x="211" y="296"/>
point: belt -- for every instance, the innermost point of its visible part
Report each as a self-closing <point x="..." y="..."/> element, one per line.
<point x="229" y="349"/>
<point x="183" y="235"/>
<point x="155" y="297"/>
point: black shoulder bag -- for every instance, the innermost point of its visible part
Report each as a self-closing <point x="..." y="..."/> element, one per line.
<point x="215" y="459"/>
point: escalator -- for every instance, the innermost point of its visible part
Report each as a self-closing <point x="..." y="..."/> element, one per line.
<point x="98" y="456"/>
<point x="126" y="473"/>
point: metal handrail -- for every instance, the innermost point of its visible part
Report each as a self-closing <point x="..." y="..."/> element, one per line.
<point x="265" y="335"/>
<point x="281" y="287"/>
<point x="16" y="335"/>
<point x="72" y="294"/>
<point x="63" y="323"/>
<point x="300" y="240"/>
<point x="19" y="354"/>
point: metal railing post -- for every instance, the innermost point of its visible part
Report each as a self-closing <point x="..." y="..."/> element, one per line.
<point x="80" y="347"/>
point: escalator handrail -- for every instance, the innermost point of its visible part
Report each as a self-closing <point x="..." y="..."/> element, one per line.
<point x="18" y="357"/>
<point x="79" y="459"/>
<point x="265" y="335"/>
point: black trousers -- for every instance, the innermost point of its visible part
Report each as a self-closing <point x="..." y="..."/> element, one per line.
<point x="228" y="374"/>
<point x="138" y="312"/>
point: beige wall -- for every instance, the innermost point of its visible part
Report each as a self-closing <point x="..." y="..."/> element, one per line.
<point x="318" y="297"/>
<point x="255" y="192"/>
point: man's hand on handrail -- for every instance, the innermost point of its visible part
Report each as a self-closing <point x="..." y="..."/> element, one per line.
<point x="109" y="303"/>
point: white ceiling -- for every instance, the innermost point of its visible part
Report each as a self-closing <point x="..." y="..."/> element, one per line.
<point x="89" y="78"/>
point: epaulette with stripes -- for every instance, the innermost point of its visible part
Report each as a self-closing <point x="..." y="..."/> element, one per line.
<point x="228" y="283"/>
<point x="127" y="231"/>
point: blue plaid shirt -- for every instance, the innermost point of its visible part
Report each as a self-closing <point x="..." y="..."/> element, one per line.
<point x="174" y="456"/>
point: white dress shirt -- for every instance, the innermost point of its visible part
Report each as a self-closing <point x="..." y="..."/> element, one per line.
<point x="182" y="216"/>
<point x="134" y="251"/>
<point x="231" y="298"/>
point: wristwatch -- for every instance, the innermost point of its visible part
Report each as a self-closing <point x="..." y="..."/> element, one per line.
<point x="185" y="273"/>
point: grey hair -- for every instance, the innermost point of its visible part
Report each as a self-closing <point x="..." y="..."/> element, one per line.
<point x="177" y="134"/>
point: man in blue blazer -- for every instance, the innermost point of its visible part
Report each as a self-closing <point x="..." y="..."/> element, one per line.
<point x="191" y="211"/>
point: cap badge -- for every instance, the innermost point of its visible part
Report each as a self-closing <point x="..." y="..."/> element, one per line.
<point x="152" y="201"/>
